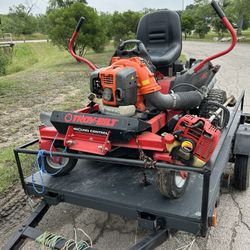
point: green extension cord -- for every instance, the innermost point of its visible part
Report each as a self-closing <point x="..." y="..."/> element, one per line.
<point x="50" y="240"/>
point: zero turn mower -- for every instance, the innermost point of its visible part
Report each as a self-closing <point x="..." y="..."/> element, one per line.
<point x="145" y="105"/>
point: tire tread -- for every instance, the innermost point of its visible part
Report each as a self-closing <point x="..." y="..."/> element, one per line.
<point x="241" y="172"/>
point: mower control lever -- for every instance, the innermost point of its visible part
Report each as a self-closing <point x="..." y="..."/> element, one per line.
<point x="218" y="9"/>
<point x="229" y="27"/>
<point x="80" y="22"/>
<point x="71" y="45"/>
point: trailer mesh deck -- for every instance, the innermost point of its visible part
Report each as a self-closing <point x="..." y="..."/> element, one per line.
<point x="122" y="186"/>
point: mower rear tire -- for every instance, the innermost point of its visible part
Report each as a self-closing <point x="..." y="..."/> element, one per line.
<point x="61" y="168"/>
<point x="215" y="95"/>
<point x="172" y="184"/>
<point x="241" y="172"/>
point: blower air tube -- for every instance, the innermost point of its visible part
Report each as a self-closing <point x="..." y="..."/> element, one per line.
<point x="177" y="101"/>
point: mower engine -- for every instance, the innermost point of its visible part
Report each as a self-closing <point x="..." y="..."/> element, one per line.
<point x="193" y="140"/>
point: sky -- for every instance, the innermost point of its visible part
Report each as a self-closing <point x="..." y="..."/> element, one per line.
<point x="103" y="5"/>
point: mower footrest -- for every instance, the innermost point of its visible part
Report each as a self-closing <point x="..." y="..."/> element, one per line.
<point x="87" y="140"/>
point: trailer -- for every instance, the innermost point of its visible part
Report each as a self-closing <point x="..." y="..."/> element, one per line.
<point x="111" y="184"/>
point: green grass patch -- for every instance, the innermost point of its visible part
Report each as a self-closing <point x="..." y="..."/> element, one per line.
<point x="34" y="36"/>
<point x="45" y="55"/>
<point x="8" y="168"/>
<point x="246" y="32"/>
<point x="9" y="86"/>
<point x="8" y="173"/>
<point x="5" y="60"/>
<point x="23" y="57"/>
<point x="36" y="55"/>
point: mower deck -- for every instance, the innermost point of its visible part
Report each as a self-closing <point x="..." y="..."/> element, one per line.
<point x="112" y="187"/>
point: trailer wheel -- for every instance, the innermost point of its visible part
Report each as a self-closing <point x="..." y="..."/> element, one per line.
<point x="59" y="166"/>
<point x="241" y="172"/>
<point x="215" y="95"/>
<point x="172" y="184"/>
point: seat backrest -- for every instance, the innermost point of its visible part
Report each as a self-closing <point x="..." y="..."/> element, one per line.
<point x="160" y="31"/>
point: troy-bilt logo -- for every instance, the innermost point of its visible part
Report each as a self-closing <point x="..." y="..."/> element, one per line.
<point x="89" y="120"/>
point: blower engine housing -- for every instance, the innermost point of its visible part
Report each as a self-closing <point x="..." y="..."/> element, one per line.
<point x="117" y="85"/>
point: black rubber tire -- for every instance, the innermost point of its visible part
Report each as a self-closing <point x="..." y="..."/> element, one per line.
<point x="166" y="184"/>
<point x="65" y="170"/>
<point x="241" y="172"/>
<point x="215" y="95"/>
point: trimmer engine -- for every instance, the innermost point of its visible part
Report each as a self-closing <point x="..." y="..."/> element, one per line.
<point x="195" y="140"/>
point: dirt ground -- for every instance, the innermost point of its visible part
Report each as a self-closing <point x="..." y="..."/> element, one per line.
<point x="20" y="111"/>
<point x="111" y="231"/>
<point x="14" y="209"/>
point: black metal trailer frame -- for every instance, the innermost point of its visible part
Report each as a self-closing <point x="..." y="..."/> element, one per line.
<point x="145" y="204"/>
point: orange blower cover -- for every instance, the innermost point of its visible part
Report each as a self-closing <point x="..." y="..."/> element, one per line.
<point x="145" y="78"/>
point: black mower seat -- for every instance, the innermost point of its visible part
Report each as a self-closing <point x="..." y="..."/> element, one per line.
<point x="160" y="31"/>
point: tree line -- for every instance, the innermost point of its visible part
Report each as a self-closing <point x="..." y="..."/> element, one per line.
<point x="200" y="18"/>
<point x="62" y="15"/>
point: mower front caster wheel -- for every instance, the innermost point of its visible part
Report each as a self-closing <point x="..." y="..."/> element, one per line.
<point x="172" y="184"/>
<point x="59" y="166"/>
